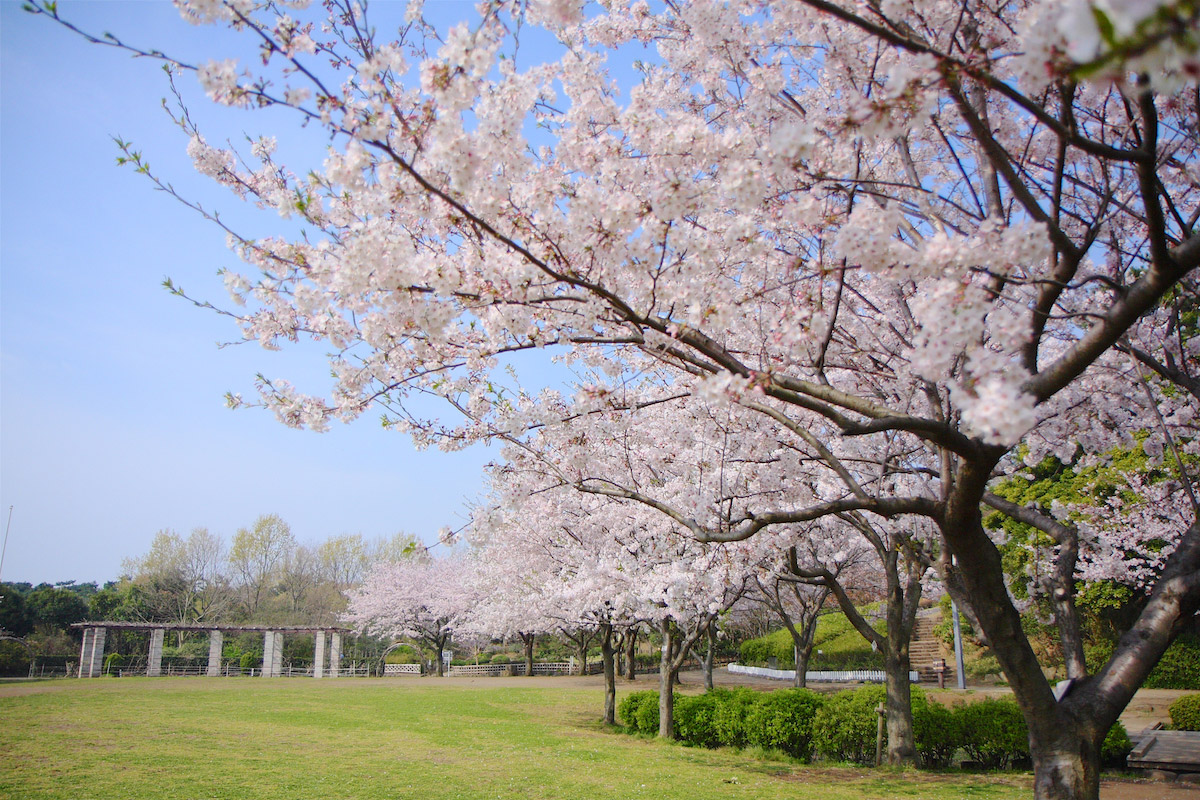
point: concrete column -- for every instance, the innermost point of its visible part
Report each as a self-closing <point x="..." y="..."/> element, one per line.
<point x="319" y="655"/>
<point x="268" y="653"/>
<point x="277" y="660"/>
<point x="154" y="662"/>
<point x="85" y="651"/>
<point x="91" y="653"/>
<point x="216" y="644"/>
<point x="97" y="668"/>
<point x="335" y="654"/>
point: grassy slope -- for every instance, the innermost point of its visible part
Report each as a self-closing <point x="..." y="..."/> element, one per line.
<point x="192" y="738"/>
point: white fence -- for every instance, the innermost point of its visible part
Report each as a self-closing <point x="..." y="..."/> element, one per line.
<point x="496" y="670"/>
<point x="820" y="676"/>
<point x="401" y="669"/>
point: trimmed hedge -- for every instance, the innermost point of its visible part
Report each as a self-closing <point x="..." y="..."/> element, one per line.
<point x="845" y="727"/>
<point x="1179" y="667"/>
<point x="630" y="710"/>
<point x="695" y="719"/>
<point x="1185" y="713"/>
<point x="993" y="732"/>
<point x="729" y="718"/>
<point x="937" y="730"/>
<point x="1116" y="746"/>
<point x="780" y="720"/>
<point x="783" y="720"/>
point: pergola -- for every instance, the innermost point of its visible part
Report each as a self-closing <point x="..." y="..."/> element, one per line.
<point x="91" y="655"/>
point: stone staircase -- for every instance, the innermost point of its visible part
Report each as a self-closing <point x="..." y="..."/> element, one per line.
<point x="925" y="649"/>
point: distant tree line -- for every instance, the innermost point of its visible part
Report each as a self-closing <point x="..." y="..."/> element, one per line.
<point x="262" y="576"/>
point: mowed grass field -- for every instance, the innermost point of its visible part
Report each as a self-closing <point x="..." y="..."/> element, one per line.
<point x="362" y="739"/>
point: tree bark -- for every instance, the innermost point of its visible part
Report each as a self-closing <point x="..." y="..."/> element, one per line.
<point x="710" y="653"/>
<point x="527" y="641"/>
<point x="610" y="674"/>
<point x="666" y="683"/>
<point x="631" y="654"/>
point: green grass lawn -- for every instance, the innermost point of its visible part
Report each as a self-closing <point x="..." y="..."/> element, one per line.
<point x="194" y="738"/>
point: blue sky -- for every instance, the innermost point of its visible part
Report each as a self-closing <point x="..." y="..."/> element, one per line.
<point x="112" y="419"/>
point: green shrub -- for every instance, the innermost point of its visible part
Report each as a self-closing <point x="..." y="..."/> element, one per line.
<point x="630" y="710"/>
<point x="694" y="719"/>
<point x="113" y="663"/>
<point x="993" y="732"/>
<point x="783" y="720"/>
<point x="647" y="716"/>
<point x="1185" y="713"/>
<point x="1179" y="667"/>
<point x="729" y="717"/>
<point x="845" y="727"/>
<point x="983" y="666"/>
<point x="938" y="732"/>
<point x="1116" y="746"/>
<point x="250" y="660"/>
<point x="777" y="645"/>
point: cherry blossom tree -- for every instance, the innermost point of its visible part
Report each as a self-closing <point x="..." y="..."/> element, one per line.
<point x="418" y="598"/>
<point x="932" y="241"/>
<point x="799" y="603"/>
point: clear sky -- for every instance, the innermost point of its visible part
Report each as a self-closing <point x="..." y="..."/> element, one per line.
<point x="112" y="419"/>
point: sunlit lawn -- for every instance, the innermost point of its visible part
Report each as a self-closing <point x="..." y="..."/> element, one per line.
<point x="193" y="738"/>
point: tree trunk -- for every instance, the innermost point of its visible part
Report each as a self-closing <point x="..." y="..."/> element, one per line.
<point x="527" y="641"/>
<point x="803" y="655"/>
<point x="666" y="684"/>
<point x="618" y="646"/>
<point x="631" y="654"/>
<point x="709" y="656"/>
<point x="901" y="742"/>
<point x="1065" y="766"/>
<point x="610" y="675"/>
<point x="439" y="645"/>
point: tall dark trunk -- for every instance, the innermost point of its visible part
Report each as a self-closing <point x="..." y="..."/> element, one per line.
<point x="666" y="683"/>
<point x="527" y="641"/>
<point x="803" y="655"/>
<point x="631" y="654"/>
<point x="439" y="644"/>
<point x="610" y="674"/>
<point x="618" y="646"/>
<point x="901" y="742"/>
<point x="902" y="604"/>
<point x="710" y="653"/>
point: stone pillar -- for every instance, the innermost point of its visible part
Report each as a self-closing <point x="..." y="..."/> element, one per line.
<point x="277" y="659"/>
<point x="91" y="653"/>
<point x="268" y="653"/>
<point x="319" y="654"/>
<point x="335" y="654"/>
<point x="85" y="651"/>
<point x="154" y="662"/>
<point x="216" y="644"/>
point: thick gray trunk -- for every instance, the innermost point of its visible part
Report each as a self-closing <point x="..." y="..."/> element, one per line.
<point x="631" y="654"/>
<point x="1065" y="767"/>
<point x="610" y="675"/>
<point x="666" y="684"/>
<point x="710" y="654"/>
<point x="527" y="641"/>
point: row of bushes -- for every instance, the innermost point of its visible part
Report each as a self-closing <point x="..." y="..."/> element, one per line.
<point x="843" y="726"/>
